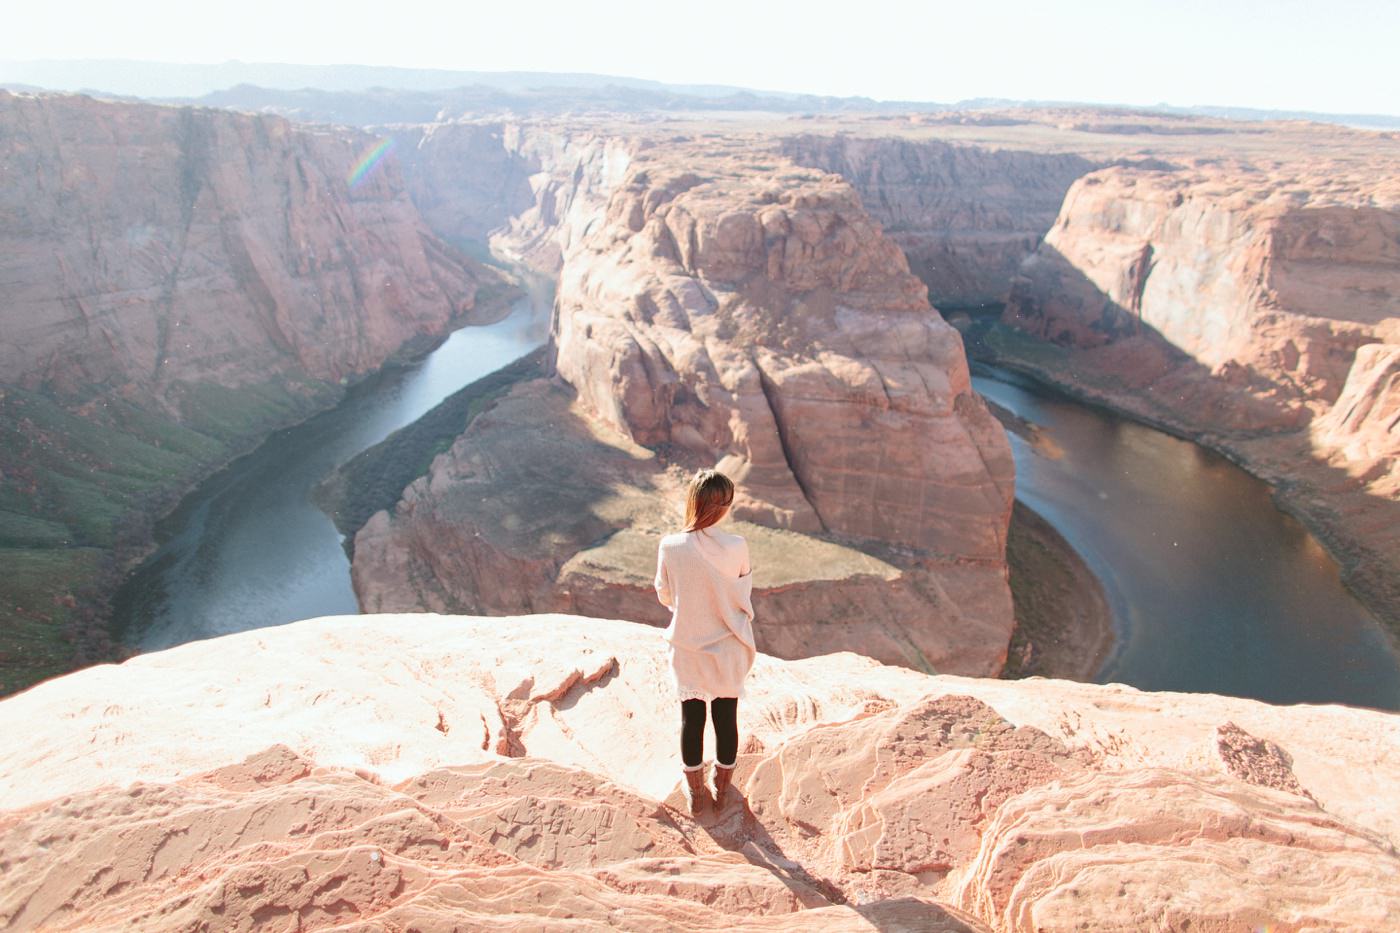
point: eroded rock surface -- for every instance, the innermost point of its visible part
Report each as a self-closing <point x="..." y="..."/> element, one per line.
<point x="758" y="315"/>
<point x="1267" y="286"/>
<point x="419" y="770"/>
<point x="151" y="247"/>
<point x="1254" y="305"/>
<point x="536" y="508"/>
<point x="966" y="216"/>
<point x="751" y="315"/>
<point x="178" y="283"/>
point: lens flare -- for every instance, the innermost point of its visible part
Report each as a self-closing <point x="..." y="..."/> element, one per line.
<point x="369" y="161"/>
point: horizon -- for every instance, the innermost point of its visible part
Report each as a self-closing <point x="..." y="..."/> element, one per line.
<point x="1270" y="57"/>
<point x="991" y="102"/>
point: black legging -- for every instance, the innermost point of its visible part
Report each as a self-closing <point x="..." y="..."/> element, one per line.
<point x="725" y="711"/>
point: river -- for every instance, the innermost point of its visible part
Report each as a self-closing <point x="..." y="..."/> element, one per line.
<point x="1213" y="589"/>
<point x="248" y="548"/>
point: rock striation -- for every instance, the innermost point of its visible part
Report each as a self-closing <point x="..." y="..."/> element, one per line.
<point x="151" y="247"/>
<point x="1359" y="430"/>
<point x="1265" y="286"/>
<point x="966" y="216"/>
<point x="529" y="189"/>
<point x="760" y="318"/>
<point x="1254" y="306"/>
<point x="714" y="310"/>
<point x="398" y="772"/>
<point x="178" y="283"/>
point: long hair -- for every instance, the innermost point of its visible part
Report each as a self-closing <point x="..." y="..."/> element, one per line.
<point x="709" y="494"/>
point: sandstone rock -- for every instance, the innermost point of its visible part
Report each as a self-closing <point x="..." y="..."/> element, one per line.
<point x="1361" y="428"/>
<point x="713" y="311"/>
<point x="1258" y="859"/>
<point x="795" y="340"/>
<point x="536" y="508"/>
<point x="1268" y="287"/>
<point x="1254" y="306"/>
<point x="965" y="216"/>
<point x="529" y="189"/>
<point x="179" y="282"/>
<point x="152" y="247"/>
<point x="361" y="781"/>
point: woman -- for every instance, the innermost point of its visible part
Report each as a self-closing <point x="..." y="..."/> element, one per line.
<point x="703" y="577"/>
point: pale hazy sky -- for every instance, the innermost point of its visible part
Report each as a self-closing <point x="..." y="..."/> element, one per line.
<point x="1326" y="55"/>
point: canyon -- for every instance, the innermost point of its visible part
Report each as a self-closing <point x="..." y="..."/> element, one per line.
<point x="1256" y="307"/>
<point x="402" y="772"/>
<point x="715" y="311"/>
<point x="179" y="283"/>
<point x="725" y="286"/>
<point x="1213" y="279"/>
<point x="756" y="293"/>
<point x="966" y="217"/>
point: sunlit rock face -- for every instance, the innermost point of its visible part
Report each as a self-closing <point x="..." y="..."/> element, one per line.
<point x="148" y="248"/>
<point x="417" y="771"/>
<point x="965" y="216"/>
<point x="1254" y="304"/>
<point x="1266" y="283"/>
<point x="724" y="307"/>
<point x="529" y="189"/>
<point x="1360" y="429"/>
<point x="755" y="314"/>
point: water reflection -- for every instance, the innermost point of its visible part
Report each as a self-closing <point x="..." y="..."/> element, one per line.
<point x="1212" y="587"/>
<point x="249" y="549"/>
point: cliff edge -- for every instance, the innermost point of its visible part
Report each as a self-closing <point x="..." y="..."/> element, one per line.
<point x="393" y="772"/>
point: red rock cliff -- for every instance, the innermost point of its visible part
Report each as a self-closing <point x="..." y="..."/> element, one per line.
<point x="758" y="316"/>
<point x="1256" y="305"/>
<point x="966" y="216"/>
<point x="528" y="188"/>
<point x="717" y="306"/>
<point x="1265" y="284"/>
<point x="149" y="246"/>
<point x="177" y="283"/>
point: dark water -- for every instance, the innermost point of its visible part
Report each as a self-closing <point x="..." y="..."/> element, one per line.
<point x="1212" y="587"/>
<point x="248" y="549"/>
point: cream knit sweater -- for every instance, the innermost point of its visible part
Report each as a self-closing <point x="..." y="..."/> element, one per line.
<point x="711" y="631"/>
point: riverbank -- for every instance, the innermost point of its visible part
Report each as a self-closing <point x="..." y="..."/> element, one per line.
<point x="376" y="477"/>
<point x="105" y="480"/>
<point x="250" y="548"/>
<point x="1064" y="625"/>
<point x="98" y="483"/>
<point x="1345" y="520"/>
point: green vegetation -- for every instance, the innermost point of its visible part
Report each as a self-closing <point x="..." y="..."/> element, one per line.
<point x="229" y="414"/>
<point x="1003" y="342"/>
<point x="44" y="612"/>
<point x="80" y="488"/>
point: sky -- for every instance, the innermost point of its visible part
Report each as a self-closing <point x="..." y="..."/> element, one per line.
<point x="1336" y="56"/>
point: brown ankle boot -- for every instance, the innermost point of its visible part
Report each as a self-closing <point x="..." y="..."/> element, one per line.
<point x="722" y="776"/>
<point x="695" y="781"/>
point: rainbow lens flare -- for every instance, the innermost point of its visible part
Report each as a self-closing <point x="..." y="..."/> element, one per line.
<point x="368" y="161"/>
